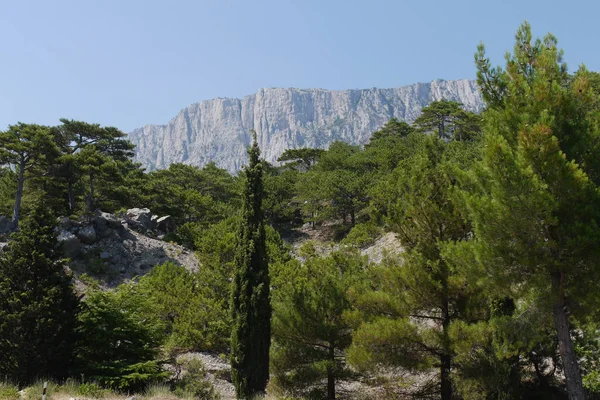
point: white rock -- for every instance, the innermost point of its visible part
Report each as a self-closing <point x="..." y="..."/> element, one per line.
<point x="218" y="130"/>
<point x="141" y="216"/>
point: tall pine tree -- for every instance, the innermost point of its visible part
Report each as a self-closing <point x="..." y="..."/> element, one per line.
<point x="251" y="300"/>
<point x="37" y="305"/>
<point x="534" y="199"/>
<point x="29" y="149"/>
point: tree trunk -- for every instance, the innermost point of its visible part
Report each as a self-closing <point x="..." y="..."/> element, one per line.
<point x="352" y="218"/>
<point x="330" y="375"/>
<point x="19" y="195"/>
<point x="565" y="344"/>
<point x="90" y="200"/>
<point x="446" y="357"/>
<point x="446" y="385"/>
<point x="71" y="196"/>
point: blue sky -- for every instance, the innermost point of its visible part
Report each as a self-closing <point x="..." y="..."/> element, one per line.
<point x="128" y="63"/>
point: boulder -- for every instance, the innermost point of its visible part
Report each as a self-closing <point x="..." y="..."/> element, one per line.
<point x="102" y="220"/>
<point x="3" y="247"/>
<point x="99" y="223"/>
<point x="69" y="243"/>
<point x="65" y="223"/>
<point x="141" y="217"/>
<point x="165" y="224"/>
<point x="87" y="234"/>
<point x="105" y="255"/>
<point x="5" y="224"/>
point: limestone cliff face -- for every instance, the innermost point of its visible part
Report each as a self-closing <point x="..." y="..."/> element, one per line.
<point x="218" y="130"/>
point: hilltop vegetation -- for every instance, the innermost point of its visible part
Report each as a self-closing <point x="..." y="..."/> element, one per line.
<point x="494" y="297"/>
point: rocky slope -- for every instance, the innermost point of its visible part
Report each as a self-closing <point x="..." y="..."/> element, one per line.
<point x="218" y="130"/>
<point x="114" y="249"/>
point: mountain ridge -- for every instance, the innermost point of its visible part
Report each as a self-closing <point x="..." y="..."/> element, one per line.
<point x="218" y="129"/>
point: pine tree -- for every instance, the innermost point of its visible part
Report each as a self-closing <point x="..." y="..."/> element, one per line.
<point x="90" y="153"/>
<point x="37" y="305"/>
<point x="251" y="301"/>
<point x="534" y="198"/>
<point x="410" y="306"/>
<point x="27" y="147"/>
<point x="310" y="330"/>
<point x="449" y="120"/>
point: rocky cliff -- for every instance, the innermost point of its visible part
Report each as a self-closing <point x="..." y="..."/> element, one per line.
<point x="218" y="130"/>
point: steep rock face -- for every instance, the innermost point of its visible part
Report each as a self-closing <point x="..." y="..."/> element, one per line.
<point x="218" y="130"/>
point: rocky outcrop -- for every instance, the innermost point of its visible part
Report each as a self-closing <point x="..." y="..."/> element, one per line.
<point x="141" y="218"/>
<point x="165" y="224"/>
<point x="218" y="130"/>
<point x="386" y="245"/>
<point x="113" y="249"/>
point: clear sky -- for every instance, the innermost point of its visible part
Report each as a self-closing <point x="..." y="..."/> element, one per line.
<point x="129" y="63"/>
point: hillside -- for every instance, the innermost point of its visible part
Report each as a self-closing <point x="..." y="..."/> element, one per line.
<point x="218" y="130"/>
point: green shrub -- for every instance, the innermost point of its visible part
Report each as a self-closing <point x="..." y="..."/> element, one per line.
<point x="92" y="390"/>
<point x="9" y="392"/>
<point x="362" y="235"/>
<point x="195" y="383"/>
<point x="119" y="340"/>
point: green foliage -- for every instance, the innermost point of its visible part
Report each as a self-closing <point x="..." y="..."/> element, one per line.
<point x="251" y="299"/>
<point x="91" y="390"/>
<point x="191" y="194"/>
<point x="362" y="235"/>
<point x="280" y="190"/>
<point x="29" y="149"/>
<point x="309" y="328"/>
<point x="302" y="159"/>
<point x="118" y="339"/>
<point x="410" y="304"/>
<point x="194" y="383"/>
<point x="391" y="144"/>
<point x="8" y="186"/>
<point x="37" y="304"/>
<point x="9" y="392"/>
<point x="195" y="306"/>
<point x="587" y="346"/>
<point x="448" y="120"/>
<point x="191" y="307"/>
<point x="533" y="198"/>
<point x="93" y="163"/>
<point x="336" y="187"/>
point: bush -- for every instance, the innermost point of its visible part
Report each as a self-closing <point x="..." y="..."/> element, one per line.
<point x="362" y="235"/>
<point x="192" y="307"/>
<point x="194" y="383"/>
<point x="119" y="340"/>
<point x="9" y="392"/>
<point x="92" y="390"/>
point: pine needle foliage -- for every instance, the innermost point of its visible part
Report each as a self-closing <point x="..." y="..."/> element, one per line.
<point x="37" y="304"/>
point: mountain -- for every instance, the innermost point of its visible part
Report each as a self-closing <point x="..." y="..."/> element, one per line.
<point x="218" y="130"/>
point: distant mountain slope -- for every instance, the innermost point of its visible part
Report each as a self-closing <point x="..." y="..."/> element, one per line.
<point x="218" y="130"/>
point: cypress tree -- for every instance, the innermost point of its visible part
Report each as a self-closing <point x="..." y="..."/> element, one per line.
<point x="37" y="305"/>
<point x="251" y="300"/>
